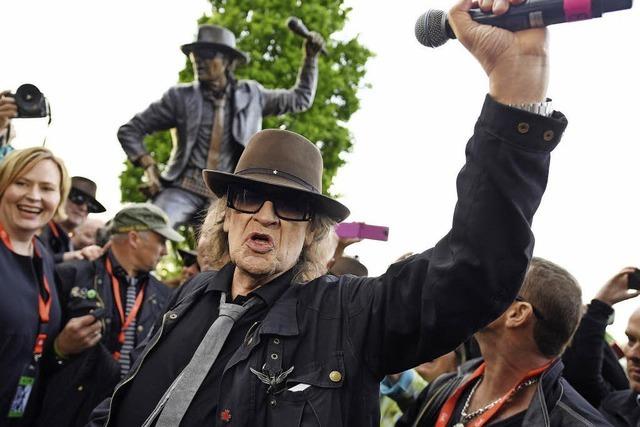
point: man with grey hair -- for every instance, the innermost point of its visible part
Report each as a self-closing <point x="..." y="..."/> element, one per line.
<point x="110" y="304"/>
<point x="270" y="340"/>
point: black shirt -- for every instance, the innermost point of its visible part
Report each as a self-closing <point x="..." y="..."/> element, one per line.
<point x="163" y="364"/>
<point x="622" y="408"/>
<point x="20" y="284"/>
<point x="56" y="240"/>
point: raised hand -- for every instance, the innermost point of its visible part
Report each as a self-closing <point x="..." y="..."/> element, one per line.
<point x="516" y="62"/>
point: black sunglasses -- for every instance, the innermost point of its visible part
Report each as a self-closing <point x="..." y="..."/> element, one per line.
<point x="78" y="198"/>
<point x="286" y="207"/>
<point x="536" y="312"/>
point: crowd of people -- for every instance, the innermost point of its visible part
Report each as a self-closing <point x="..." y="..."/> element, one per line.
<point x="271" y="324"/>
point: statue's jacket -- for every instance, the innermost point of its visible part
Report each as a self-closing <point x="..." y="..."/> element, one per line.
<point x="180" y="108"/>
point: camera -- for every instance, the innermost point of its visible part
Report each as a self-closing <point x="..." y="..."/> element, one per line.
<point x="31" y="102"/>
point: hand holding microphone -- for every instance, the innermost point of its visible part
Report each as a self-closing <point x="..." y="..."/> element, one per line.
<point x="516" y="63"/>
<point x="433" y="29"/>
<point x="314" y="41"/>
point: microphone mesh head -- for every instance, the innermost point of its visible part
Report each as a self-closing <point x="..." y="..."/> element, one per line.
<point x="430" y="28"/>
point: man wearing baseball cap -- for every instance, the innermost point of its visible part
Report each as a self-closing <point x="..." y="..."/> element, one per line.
<point x="110" y="304"/>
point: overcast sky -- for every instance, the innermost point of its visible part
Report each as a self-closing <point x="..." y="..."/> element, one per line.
<point x="100" y="63"/>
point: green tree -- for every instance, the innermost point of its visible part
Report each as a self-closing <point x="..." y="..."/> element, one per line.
<point x="276" y="55"/>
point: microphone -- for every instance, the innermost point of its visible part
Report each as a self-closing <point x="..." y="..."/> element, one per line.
<point x="297" y="27"/>
<point x="433" y="29"/>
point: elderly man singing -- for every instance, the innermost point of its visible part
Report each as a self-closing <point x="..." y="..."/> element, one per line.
<point x="268" y="340"/>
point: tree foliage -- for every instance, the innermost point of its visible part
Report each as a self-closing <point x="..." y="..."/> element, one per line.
<point x="276" y="55"/>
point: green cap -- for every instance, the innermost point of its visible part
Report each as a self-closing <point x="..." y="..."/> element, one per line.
<point x="143" y="217"/>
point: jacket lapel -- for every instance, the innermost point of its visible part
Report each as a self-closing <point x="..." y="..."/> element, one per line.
<point x="193" y="109"/>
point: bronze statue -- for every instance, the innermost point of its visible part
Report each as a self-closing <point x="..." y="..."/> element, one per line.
<point x="213" y="117"/>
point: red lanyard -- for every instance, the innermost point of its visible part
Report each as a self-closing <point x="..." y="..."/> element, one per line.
<point x="54" y="229"/>
<point x="450" y="405"/>
<point x="134" y="310"/>
<point x="44" y="306"/>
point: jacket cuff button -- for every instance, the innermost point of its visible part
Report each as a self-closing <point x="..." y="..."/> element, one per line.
<point x="523" y="127"/>
<point x="548" y="135"/>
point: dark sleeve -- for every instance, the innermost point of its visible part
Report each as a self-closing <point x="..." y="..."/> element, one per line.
<point x="411" y="411"/>
<point x="100" y="414"/>
<point x="296" y="99"/>
<point x="583" y="359"/>
<point x="160" y="115"/>
<point x="66" y="278"/>
<point x="425" y="306"/>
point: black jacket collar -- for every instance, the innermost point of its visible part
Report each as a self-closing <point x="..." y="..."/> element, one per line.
<point x="280" y="295"/>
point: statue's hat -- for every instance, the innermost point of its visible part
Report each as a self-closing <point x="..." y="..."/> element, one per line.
<point x="215" y="37"/>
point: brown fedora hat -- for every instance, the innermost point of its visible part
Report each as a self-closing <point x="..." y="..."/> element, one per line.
<point x="280" y="159"/>
<point x="218" y="38"/>
<point x="87" y="188"/>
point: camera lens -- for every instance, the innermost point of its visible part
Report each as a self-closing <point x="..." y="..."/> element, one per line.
<point x="29" y="100"/>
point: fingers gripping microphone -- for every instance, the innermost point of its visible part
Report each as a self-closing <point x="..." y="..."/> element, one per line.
<point x="297" y="27"/>
<point x="433" y="29"/>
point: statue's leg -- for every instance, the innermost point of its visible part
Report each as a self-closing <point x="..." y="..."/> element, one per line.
<point x="180" y="205"/>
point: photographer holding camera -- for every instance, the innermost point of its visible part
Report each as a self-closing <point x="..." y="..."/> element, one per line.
<point x="8" y="110"/>
<point x="27" y="102"/>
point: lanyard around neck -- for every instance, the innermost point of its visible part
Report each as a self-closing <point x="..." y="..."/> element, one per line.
<point x="44" y="296"/>
<point x="449" y="407"/>
<point x="124" y="322"/>
<point x="54" y="229"/>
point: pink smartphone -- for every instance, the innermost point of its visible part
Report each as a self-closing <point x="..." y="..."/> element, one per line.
<point x="362" y="231"/>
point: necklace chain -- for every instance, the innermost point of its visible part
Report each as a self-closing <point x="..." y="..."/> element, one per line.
<point x="465" y="418"/>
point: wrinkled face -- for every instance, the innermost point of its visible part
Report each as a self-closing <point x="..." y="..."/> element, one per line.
<point x="632" y="351"/>
<point x="261" y="244"/>
<point x="149" y="248"/>
<point x="76" y="212"/>
<point x="31" y="200"/>
<point x="210" y="67"/>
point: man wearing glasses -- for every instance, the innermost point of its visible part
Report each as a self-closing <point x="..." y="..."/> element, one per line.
<point x="214" y="118"/>
<point x="57" y="235"/>
<point x="271" y="340"/>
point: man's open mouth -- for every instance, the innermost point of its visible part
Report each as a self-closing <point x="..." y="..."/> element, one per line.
<point x="260" y="242"/>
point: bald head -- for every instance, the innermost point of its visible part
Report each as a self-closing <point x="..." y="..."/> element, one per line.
<point x="85" y="234"/>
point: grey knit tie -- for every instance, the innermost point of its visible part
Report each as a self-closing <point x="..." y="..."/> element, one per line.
<point x="176" y="400"/>
<point x="130" y="332"/>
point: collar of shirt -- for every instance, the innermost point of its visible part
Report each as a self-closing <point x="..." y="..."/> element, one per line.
<point x="122" y="275"/>
<point x="209" y="95"/>
<point x="269" y="292"/>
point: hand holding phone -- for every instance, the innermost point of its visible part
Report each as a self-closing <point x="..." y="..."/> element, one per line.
<point x="620" y="287"/>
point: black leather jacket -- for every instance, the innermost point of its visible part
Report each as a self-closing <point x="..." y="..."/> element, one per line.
<point x="554" y="404"/>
